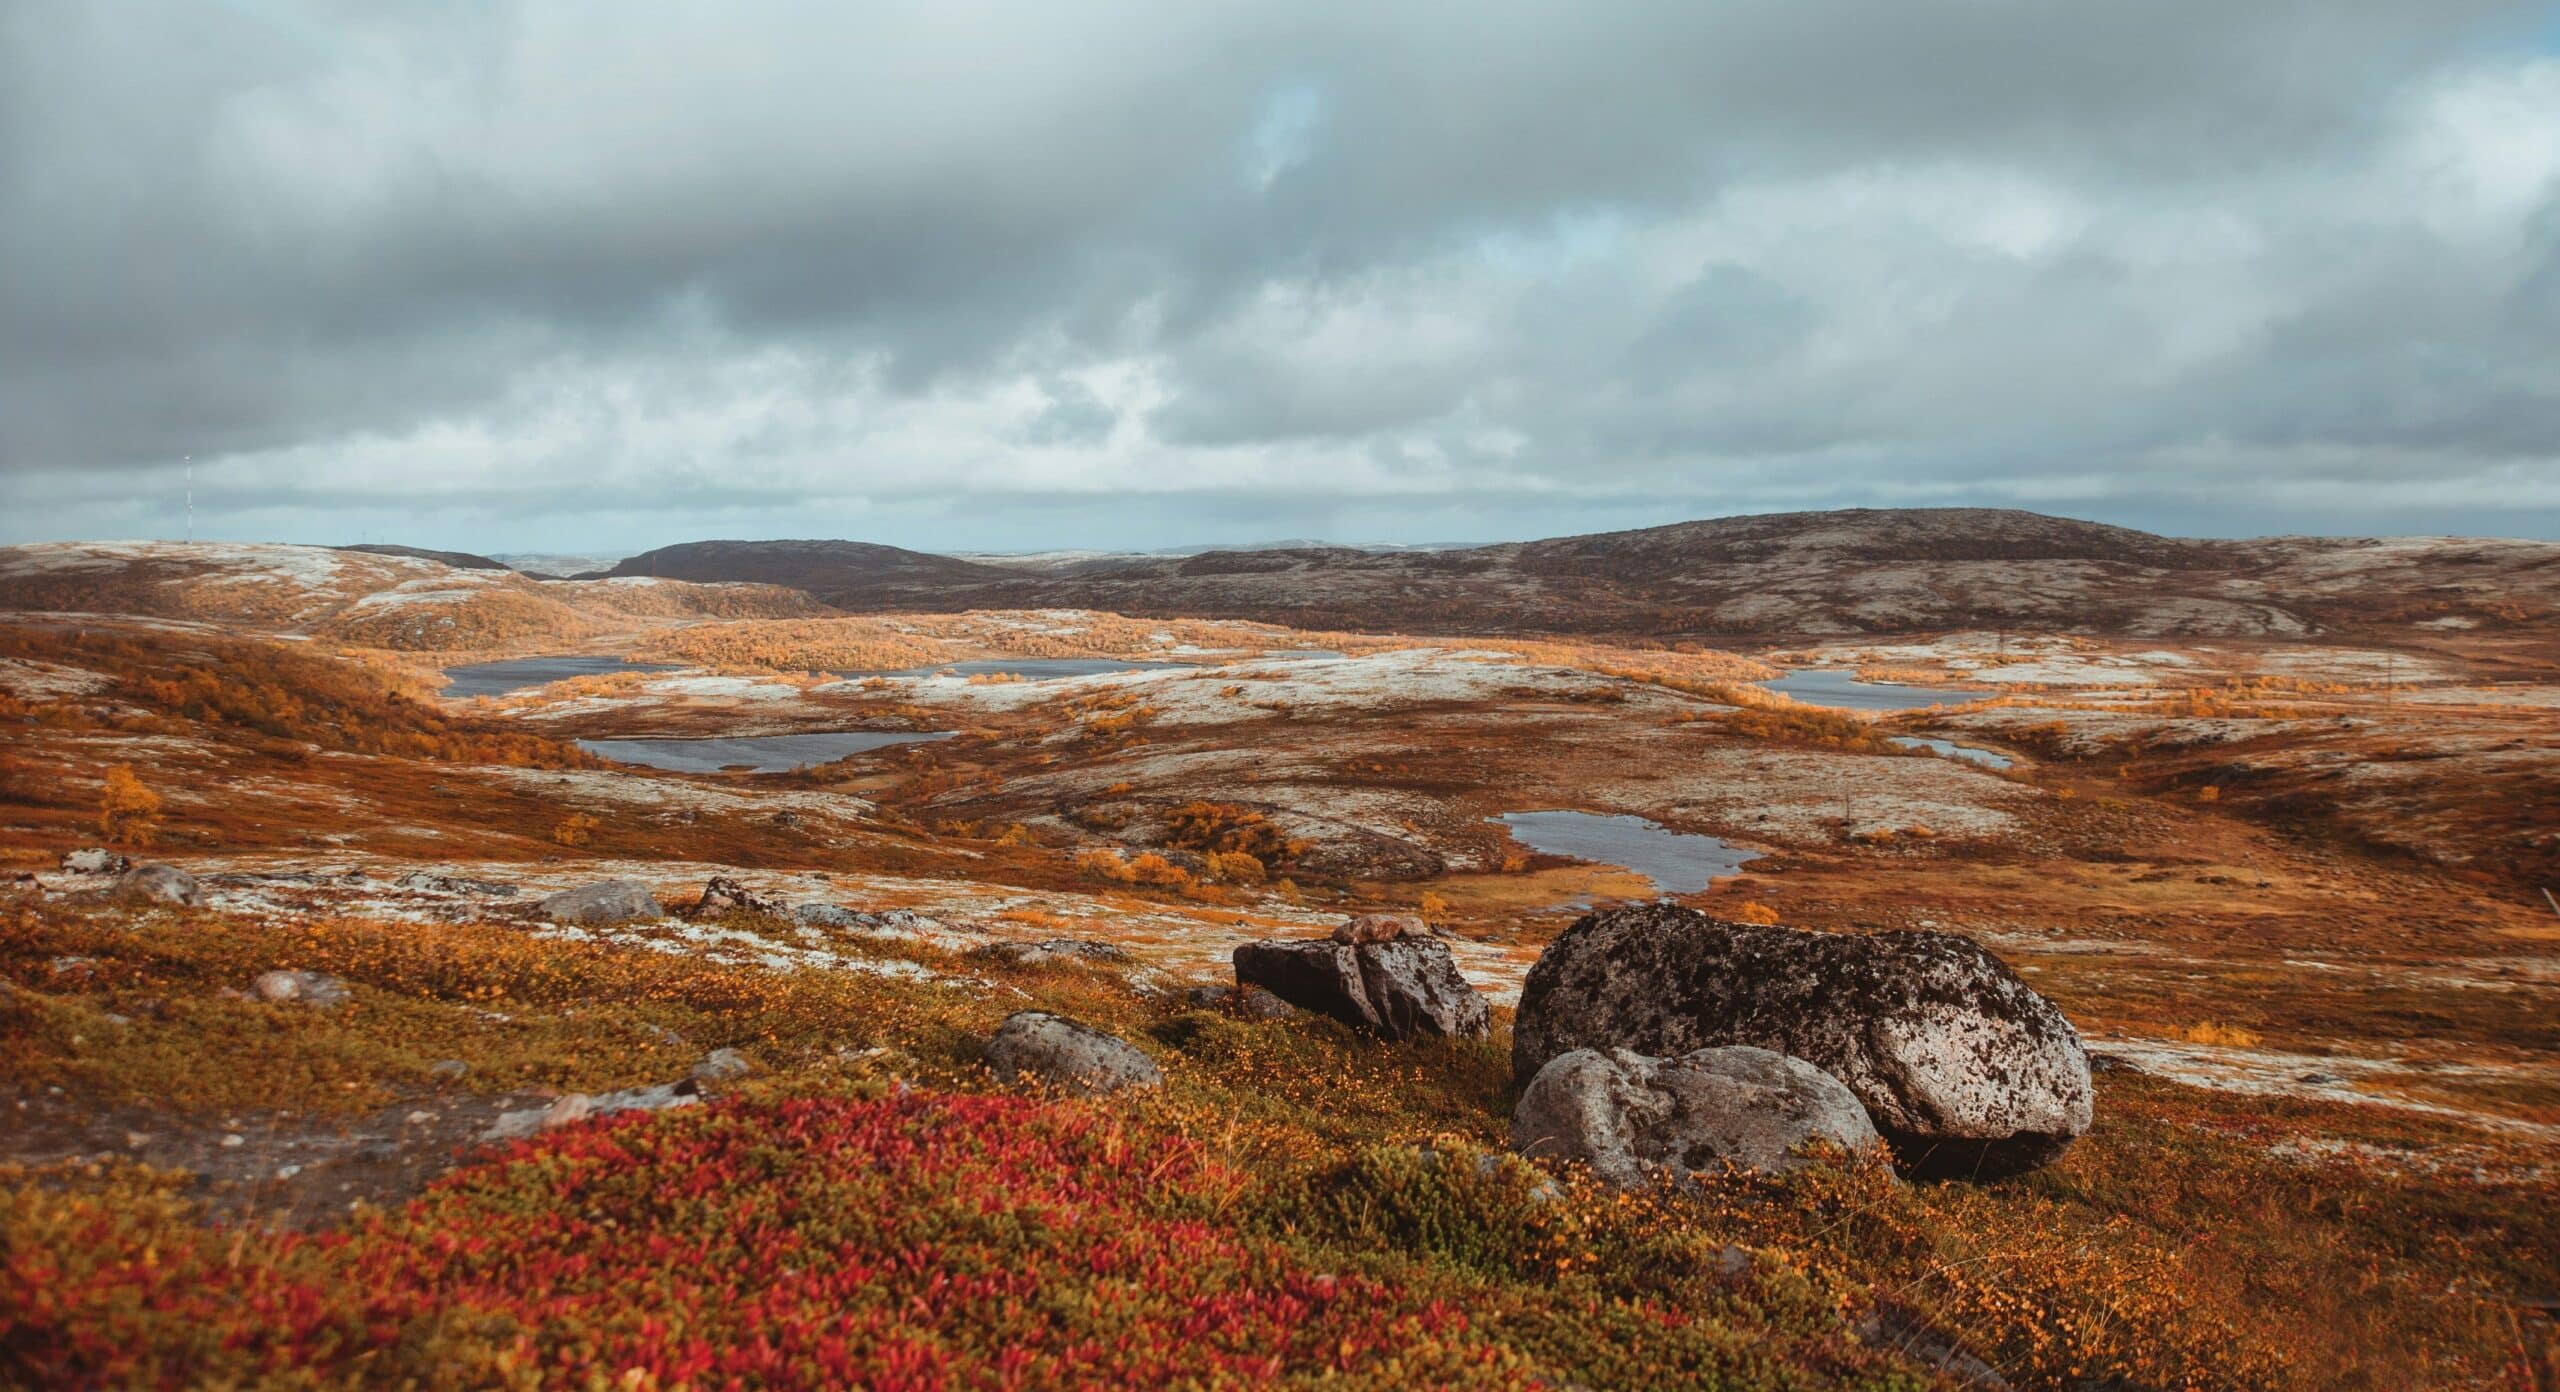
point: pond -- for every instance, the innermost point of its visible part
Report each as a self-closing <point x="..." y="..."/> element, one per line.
<point x="1953" y="750"/>
<point x="517" y="673"/>
<point x="749" y="753"/>
<point x="1678" y="862"/>
<point x="1840" y="689"/>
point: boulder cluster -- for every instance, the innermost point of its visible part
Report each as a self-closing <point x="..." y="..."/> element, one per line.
<point x="1659" y="1034"/>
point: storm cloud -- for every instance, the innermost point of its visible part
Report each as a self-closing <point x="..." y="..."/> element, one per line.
<point x="532" y="274"/>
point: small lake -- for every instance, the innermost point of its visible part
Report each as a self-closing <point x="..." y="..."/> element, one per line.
<point x="749" y="753"/>
<point x="1678" y="862"/>
<point x="1840" y="688"/>
<point x="517" y="673"/>
<point x="1953" y="750"/>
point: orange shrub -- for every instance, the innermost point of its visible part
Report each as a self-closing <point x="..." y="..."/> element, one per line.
<point x="128" y="812"/>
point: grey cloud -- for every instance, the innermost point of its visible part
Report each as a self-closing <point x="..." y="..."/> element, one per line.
<point x="1652" y="253"/>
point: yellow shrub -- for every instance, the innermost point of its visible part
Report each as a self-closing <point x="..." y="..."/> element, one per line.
<point x="128" y="812"/>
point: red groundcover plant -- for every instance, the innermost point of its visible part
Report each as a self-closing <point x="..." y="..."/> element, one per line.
<point x="922" y="1241"/>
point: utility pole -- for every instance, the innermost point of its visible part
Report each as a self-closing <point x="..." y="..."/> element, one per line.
<point x="191" y="500"/>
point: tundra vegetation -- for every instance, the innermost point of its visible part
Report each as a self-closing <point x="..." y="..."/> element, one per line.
<point x="2289" y="909"/>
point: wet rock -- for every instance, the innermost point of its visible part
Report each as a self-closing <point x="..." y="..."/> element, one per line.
<point x="96" y="860"/>
<point x="1059" y="1051"/>
<point x="1961" y="1066"/>
<point x="723" y="895"/>
<point x="316" y="989"/>
<point x="605" y="902"/>
<point x="1401" y="989"/>
<point x="158" y="884"/>
<point x="1637" y="1120"/>
<point x="1250" y="1002"/>
<point x="1380" y="928"/>
<point x="721" y="1066"/>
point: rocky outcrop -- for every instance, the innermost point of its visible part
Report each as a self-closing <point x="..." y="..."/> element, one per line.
<point x="1962" y="1066"/>
<point x="722" y="1066"/>
<point x="1064" y="1054"/>
<point x="722" y="896"/>
<point x="1636" y="1120"/>
<point x="159" y="884"/>
<point x="1401" y="989"/>
<point x="95" y="860"/>
<point x="602" y="903"/>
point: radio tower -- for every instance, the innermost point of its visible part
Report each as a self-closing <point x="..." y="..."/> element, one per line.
<point x="191" y="500"/>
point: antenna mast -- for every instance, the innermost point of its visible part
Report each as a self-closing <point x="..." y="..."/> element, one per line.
<point x="191" y="499"/>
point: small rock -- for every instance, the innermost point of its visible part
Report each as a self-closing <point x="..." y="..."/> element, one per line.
<point x="1402" y="989"/>
<point x="2112" y="1063"/>
<point x="136" y="1140"/>
<point x="1381" y="928"/>
<point x="421" y="1118"/>
<point x="1250" y="1002"/>
<point x="2320" y="1079"/>
<point x="1053" y="950"/>
<point x="1636" y="1119"/>
<point x="603" y="903"/>
<point x="722" y="896"/>
<point x="96" y="860"/>
<point x="722" y="1065"/>
<point x="1072" y="1056"/>
<point x="449" y="1069"/>
<point x="316" y="989"/>
<point x="159" y="884"/>
<point x="287" y="1171"/>
<point x="830" y="916"/>
<point x="234" y="1141"/>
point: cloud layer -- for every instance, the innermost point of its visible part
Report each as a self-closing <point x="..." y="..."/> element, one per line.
<point x="545" y="274"/>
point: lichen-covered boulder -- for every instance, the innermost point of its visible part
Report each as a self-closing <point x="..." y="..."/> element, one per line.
<point x="1962" y="1066"/>
<point x="1636" y="1119"/>
<point x="1403" y="988"/>
<point x="1065" y="1054"/>
<point x="605" y="902"/>
<point x="158" y="884"/>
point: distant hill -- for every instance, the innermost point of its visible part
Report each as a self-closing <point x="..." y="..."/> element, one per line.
<point x="459" y="560"/>
<point x="822" y="568"/>
<point x="1772" y="575"/>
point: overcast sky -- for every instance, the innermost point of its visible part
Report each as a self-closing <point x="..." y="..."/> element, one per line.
<point x="538" y="275"/>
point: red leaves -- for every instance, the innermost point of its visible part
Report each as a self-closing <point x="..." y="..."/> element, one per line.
<point x="921" y="1242"/>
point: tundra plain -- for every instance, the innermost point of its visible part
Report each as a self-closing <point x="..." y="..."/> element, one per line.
<point x="2285" y="869"/>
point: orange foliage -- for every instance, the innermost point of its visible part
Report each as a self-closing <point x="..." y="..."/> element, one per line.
<point x="129" y="813"/>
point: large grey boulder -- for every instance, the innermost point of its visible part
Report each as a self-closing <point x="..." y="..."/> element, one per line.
<point x="158" y="884"/>
<point x="1402" y="988"/>
<point x="1962" y="1066"/>
<point x="605" y="902"/>
<point x="1636" y="1120"/>
<point x="1058" y="1051"/>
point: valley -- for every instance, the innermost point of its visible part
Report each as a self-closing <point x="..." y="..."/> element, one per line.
<point x="2274" y="833"/>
